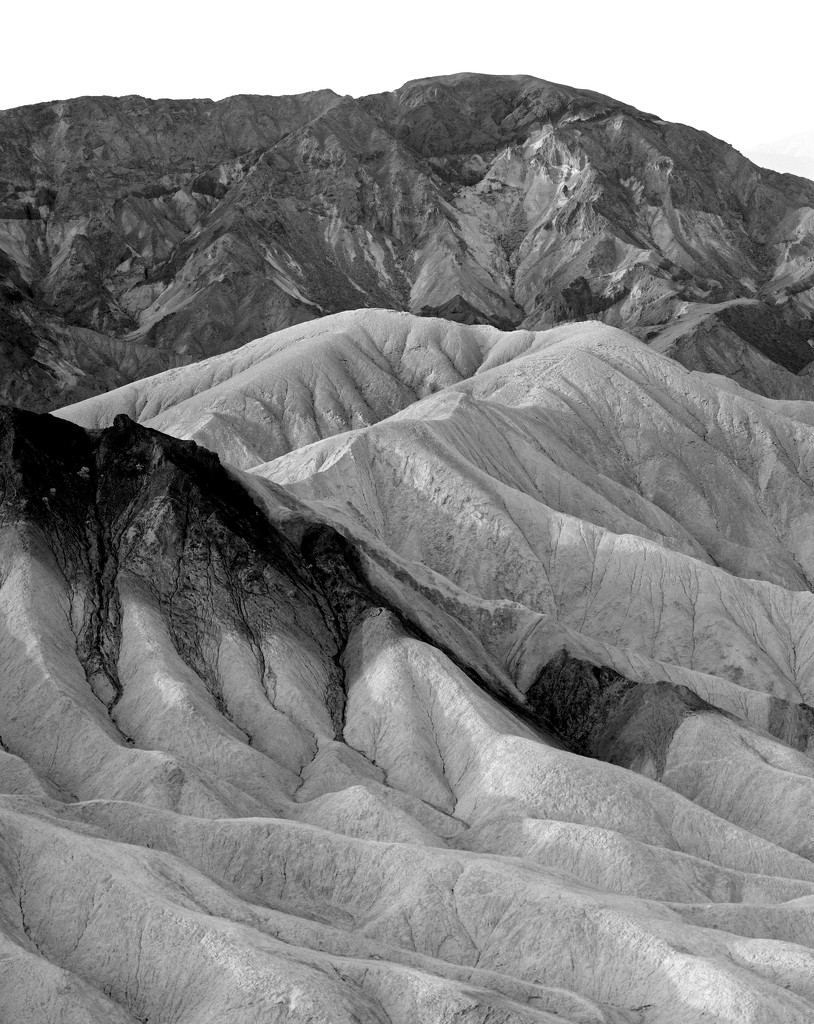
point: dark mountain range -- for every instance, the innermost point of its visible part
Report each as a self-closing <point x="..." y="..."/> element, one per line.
<point x="136" y="235"/>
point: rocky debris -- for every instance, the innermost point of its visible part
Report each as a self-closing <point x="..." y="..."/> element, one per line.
<point x="136" y="235"/>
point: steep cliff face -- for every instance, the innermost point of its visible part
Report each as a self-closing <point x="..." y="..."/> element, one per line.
<point x="136" y="235"/>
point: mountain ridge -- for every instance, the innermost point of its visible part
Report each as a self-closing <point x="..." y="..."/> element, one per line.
<point x="501" y="199"/>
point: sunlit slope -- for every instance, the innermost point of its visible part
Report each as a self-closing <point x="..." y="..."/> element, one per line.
<point x="241" y="782"/>
<point x="593" y="494"/>
<point x="593" y="426"/>
<point x="299" y="385"/>
<point x="563" y="458"/>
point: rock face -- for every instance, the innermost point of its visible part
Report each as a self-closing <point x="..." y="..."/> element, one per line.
<point x="139" y="235"/>
<point x="495" y="707"/>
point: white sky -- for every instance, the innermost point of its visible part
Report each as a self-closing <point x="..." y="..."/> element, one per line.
<point x="745" y="78"/>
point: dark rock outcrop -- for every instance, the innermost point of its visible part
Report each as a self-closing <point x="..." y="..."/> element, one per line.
<point x="131" y="509"/>
<point x="599" y="713"/>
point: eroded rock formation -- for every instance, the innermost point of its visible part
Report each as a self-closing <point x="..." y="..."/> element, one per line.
<point x="495" y="707"/>
<point x="137" y="235"/>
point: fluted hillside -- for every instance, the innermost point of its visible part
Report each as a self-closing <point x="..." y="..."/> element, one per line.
<point x="496" y="706"/>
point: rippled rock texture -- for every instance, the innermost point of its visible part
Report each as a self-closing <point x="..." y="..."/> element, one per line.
<point x="486" y="697"/>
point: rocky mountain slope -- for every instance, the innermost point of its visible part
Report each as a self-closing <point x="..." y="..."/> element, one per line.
<point x="473" y="683"/>
<point x="138" y="235"/>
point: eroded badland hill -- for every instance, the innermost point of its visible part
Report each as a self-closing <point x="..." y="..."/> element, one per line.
<point x="407" y="613"/>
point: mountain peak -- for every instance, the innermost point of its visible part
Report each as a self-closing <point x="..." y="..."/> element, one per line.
<point x="142" y="234"/>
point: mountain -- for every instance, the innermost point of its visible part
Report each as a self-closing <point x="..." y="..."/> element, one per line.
<point x="405" y="608"/>
<point x="465" y="675"/>
<point x="791" y="155"/>
<point x="138" y="235"/>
